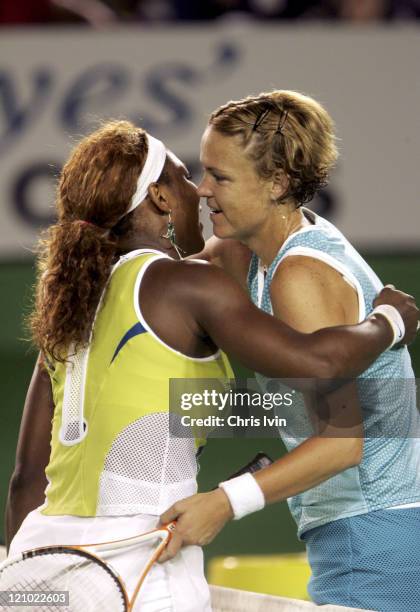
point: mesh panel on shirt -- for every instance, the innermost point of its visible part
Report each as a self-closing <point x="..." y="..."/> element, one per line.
<point x="72" y="424"/>
<point x="117" y="491"/>
<point x="146" y="468"/>
<point x="181" y="463"/>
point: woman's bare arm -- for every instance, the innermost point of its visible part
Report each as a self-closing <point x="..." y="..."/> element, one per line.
<point x="224" y="312"/>
<point x="28" y="481"/>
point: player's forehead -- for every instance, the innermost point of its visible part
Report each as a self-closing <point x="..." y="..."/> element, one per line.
<point x="221" y="152"/>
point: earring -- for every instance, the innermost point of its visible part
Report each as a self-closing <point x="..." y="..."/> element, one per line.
<point x="170" y="230"/>
<point x="171" y="236"/>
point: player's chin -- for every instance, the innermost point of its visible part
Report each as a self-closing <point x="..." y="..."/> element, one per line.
<point x="223" y="231"/>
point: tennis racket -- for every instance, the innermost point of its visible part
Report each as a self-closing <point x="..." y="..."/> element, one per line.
<point x="92" y="583"/>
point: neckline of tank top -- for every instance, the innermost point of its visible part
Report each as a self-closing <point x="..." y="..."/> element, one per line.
<point x="315" y="221"/>
<point x="137" y="253"/>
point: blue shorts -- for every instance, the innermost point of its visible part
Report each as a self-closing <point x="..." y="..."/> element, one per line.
<point x="369" y="561"/>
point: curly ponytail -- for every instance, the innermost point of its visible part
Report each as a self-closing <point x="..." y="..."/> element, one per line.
<point x="76" y="254"/>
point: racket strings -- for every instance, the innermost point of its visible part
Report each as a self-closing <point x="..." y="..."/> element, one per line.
<point x="28" y="584"/>
<point x="91" y="587"/>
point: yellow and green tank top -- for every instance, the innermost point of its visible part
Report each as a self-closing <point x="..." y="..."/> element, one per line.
<point x="111" y="448"/>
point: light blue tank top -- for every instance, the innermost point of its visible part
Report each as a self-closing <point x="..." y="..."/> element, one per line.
<point x="389" y="473"/>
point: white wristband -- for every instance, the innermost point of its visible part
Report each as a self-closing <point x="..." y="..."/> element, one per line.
<point x="395" y="320"/>
<point x="244" y="493"/>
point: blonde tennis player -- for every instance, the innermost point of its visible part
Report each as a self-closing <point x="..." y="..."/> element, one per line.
<point x="116" y="316"/>
<point x="356" y="501"/>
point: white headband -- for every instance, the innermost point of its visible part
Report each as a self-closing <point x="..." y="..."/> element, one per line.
<point x="152" y="170"/>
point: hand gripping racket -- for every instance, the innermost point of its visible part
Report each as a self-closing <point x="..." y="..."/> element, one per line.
<point x="92" y="583"/>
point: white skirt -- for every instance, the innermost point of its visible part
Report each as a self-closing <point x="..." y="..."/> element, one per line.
<point x="178" y="585"/>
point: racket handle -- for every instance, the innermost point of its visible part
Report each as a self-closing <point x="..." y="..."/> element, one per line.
<point x="260" y="461"/>
<point x="170" y="528"/>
